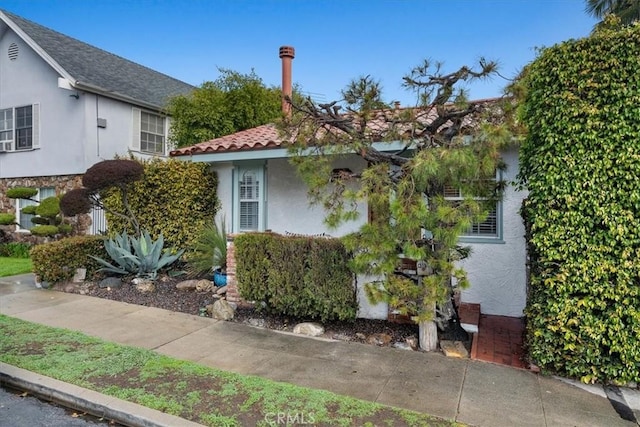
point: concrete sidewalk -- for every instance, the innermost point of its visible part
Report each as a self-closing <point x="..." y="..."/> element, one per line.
<point x="471" y="392"/>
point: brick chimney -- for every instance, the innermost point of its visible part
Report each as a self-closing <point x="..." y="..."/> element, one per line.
<point x="287" y="53"/>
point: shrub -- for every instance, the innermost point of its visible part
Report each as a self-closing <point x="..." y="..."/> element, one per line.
<point x="58" y="261"/>
<point x="296" y="276"/>
<point x="209" y="251"/>
<point x="15" y="250"/>
<point x="112" y="173"/>
<point x="49" y="207"/>
<point x="174" y="198"/>
<point x="7" y="219"/>
<point x="580" y="164"/>
<point x="76" y="202"/>
<point x="22" y="192"/>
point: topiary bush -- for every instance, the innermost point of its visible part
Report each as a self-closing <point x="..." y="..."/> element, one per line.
<point x="298" y="276"/>
<point x="57" y="261"/>
<point x="112" y="173"/>
<point x="581" y="166"/>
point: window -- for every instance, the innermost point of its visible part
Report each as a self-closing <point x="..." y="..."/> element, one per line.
<point x="151" y="133"/>
<point x="23" y="219"/>
<point x="249" y="199"/>
<point x="489" y="228"/>
<point x="19" y="128"/>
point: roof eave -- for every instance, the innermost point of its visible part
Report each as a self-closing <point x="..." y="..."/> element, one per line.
<point x="36" y="47"/>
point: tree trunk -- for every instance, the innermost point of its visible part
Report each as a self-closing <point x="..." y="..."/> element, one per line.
<point x="428" y="332"/>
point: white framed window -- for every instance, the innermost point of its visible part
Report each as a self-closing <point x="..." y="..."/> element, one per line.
<point x="490" y="228"/>
<point x="19" y="128"/>
<point x="149" y="132"/>
<point x="249" y="199"/>
<point x="23" y="219"/>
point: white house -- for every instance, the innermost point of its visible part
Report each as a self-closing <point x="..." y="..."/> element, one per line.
<point x="260" y="190"/>
<point x="66" y="105"/>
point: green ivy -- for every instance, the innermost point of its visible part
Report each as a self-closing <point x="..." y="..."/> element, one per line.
<point x="297" y="276"/>
<point x="581" y="165"/>
<point x="174" y="198"/>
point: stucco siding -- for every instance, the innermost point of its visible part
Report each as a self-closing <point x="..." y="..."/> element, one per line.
<point x="288" y="208"/>
<point x="497" y="271"/>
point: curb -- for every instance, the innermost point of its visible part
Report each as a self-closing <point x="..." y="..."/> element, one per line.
<point x="92" y="402"/>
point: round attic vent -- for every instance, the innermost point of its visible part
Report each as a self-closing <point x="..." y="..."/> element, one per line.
<point x="13" y="51"/>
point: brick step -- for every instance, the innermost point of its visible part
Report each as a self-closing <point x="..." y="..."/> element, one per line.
<point x="469" y="317"/>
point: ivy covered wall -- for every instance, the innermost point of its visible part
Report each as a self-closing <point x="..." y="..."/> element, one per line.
<point x="581" y="165"/>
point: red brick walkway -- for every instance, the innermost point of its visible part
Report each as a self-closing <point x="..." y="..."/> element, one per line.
<point x="499" y="340"/>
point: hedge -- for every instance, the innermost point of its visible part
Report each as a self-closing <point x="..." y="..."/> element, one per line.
<point x="57" y="261"/>
<point x="581" y="165"/>
<point x="304" y="277"/>
<point x="174" y="198"/>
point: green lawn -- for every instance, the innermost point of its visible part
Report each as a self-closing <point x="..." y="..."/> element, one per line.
<point x="205" y="395"/>
<point x="13" y="266"/>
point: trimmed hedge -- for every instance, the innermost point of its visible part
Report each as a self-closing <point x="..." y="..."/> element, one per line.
<point x="297" y="276"/>
<point x="581" y="165"/>
<point x="174" y="198"/>
<point x="57" y="261"/>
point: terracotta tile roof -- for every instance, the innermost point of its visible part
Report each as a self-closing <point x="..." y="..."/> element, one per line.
<point x="261" y="137"/>
<point x="267" y="136"/>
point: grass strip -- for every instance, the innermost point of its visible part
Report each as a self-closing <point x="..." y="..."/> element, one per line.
<point x="205" y="395"/>
<point x="14" y="266"/>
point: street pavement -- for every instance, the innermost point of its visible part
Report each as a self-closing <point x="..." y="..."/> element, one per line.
<point x="471" y="392"/>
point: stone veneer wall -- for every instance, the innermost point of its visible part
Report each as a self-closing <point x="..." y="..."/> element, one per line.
<point x="61" y="183"/>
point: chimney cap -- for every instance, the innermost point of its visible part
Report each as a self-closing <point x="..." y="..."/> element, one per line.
<point x="287" y="51"/>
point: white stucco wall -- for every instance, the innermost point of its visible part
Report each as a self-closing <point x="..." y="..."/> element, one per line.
<point x="69" y="138"/>
<point x="496" y="271"/>
<point x="288" y="208"/>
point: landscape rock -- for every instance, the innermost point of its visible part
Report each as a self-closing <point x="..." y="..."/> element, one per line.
<point x="81" y="274"/>
<point x="187" y="285"/>
<point x="341" y="337"/>
<point x="454" y="349"/>
<point x="221" y="290"/>
<point x="311" y="329"/>
<point x="258" y="323"/>
<point x="402" y="346"/>
<point x="361" y="336"/>
<point x="110" y="282"/>
<point x="204" y="285"/>
<point x="144" y="285"/>
<point x="413" y="342"/>
<point x="380" y="339"/>
<point x="222" y="310"/>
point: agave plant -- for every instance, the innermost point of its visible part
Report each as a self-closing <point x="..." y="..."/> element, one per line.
<point x="140" y="256"/>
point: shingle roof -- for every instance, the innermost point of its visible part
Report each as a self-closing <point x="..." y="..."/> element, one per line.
<point x="265" y="136"/>
<point x="91" y="67"/>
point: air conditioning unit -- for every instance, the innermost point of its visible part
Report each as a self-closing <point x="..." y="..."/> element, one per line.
<point x="5" y="146"/>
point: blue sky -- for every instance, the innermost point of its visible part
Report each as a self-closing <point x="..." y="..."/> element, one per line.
<point x="335" y="41"/>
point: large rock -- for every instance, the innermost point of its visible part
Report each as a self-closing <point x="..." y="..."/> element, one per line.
<point x="110" y="282"/>
<point x="380" y="339"/>
<point x="454" y="349"/>
<point x="187" y="285"/>
<point x="204" y="285"/>
<point x="222" y="310"/>
<point x="311" y="329"/>
<point x="144" y="286"/>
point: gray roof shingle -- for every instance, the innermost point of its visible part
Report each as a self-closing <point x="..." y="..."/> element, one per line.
<point x="107" y="73"/>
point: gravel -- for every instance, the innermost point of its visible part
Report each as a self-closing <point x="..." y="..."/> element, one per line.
<point x="168" y="297"/>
